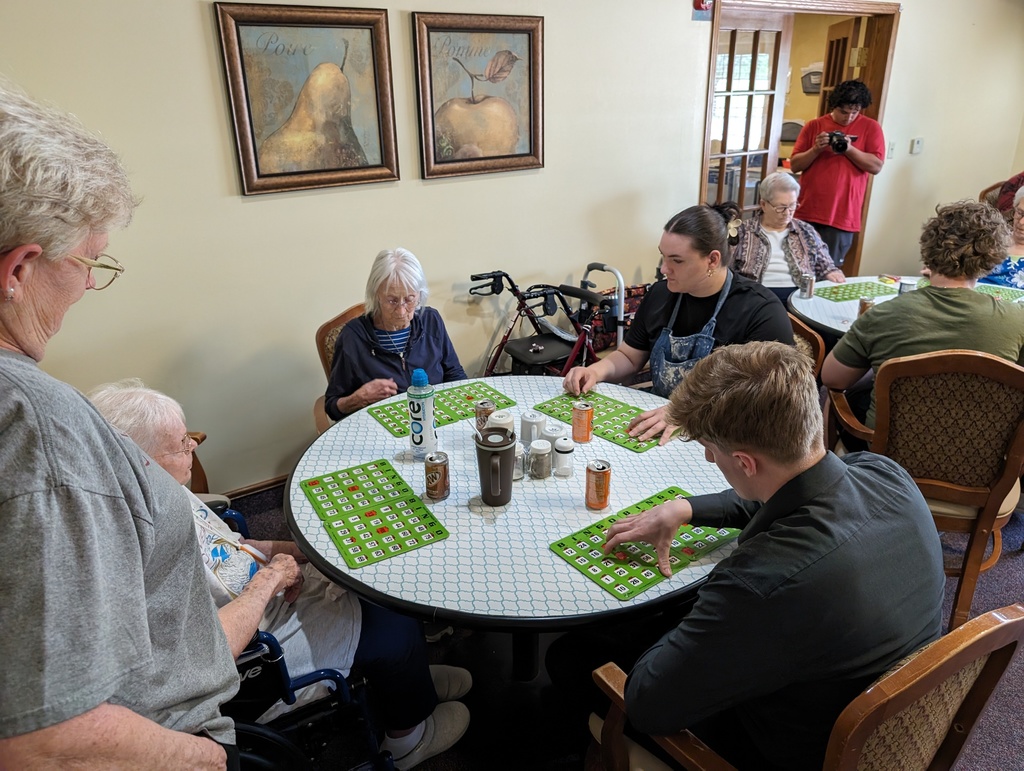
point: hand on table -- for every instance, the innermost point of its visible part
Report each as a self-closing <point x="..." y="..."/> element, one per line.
<point x="649" y="424"/>
<point x="836" y="276"/>
<point x="657" y="526"/>
<point x="579" y="380"/>
<point x="289" y="576"/>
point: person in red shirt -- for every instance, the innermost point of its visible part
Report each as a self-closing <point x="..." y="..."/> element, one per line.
<point x="834" y="170"/>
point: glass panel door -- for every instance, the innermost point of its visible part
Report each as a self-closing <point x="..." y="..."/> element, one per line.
<point x="745" y="113"/>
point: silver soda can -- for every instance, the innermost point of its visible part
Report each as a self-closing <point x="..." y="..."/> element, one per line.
<point x="806" y="286"/>
<point x="438" y="481"/>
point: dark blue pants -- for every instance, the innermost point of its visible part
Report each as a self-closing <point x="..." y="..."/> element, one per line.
<point x="392" y="656"/>
<point x="838" y="241"/>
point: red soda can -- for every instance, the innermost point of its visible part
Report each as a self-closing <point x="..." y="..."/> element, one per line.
<point x="599" y="477"/>
<point x="438" y="482"/>
<point x="484" y="408"/>
<point x="582" y="421"/>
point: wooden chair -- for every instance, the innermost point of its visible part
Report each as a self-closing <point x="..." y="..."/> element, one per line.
<point x="917" y="716"/>
<point x="955" y="421"/>
<point x="326" y="337"/>
<point x="808" y="341"/>
<point x="199" y="481"/>
<point x="991" y="193"/>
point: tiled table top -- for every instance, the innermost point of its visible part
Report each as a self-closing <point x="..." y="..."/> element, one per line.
<point x="496" y="568"/>
<point x="834" y="317"/>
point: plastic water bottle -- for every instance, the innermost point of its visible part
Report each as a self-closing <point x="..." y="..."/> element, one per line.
<point x="422" y="433"/>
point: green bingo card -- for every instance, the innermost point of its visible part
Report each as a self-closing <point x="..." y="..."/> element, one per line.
<point x="371" y="513"/>
<point x="634" y="568"/>
<point x="611" y="418"/>
<point x="854" y="291"/>
<point x="450" y="406"/>
<point x="1000" y="292"/>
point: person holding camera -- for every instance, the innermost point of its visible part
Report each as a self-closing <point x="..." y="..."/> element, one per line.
<point x="834" y="155"/>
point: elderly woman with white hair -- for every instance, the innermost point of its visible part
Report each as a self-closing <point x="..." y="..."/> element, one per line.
<point x="261" y="585"/>
<point x="375" y="355"/>
<point x="100" y="629"/>
<point x="1010" y="272"/>
<point x="775" y="249"/>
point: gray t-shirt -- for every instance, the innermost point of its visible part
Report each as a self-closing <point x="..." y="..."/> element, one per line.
<point x="104" y="598"/>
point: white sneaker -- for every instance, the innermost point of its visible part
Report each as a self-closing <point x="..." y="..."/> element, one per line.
<point x="451" y="683"/>
<point x="441" y="730"/>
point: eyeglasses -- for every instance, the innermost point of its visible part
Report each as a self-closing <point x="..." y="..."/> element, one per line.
<point x="397" y="302"/>
<point x="186" y="445"/>
<point x="103" y="262"/>
<point x="1018" y="214"/>
<point x="782" y="209"/>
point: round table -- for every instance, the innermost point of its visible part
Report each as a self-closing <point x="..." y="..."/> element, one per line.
<point x="830" y="316"/>
<point x="496" y="569"/>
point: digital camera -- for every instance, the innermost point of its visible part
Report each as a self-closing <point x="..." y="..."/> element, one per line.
<point x="840" y="142"/>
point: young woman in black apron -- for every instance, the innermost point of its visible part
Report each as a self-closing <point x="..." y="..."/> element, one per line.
<point x="700" y="304"/>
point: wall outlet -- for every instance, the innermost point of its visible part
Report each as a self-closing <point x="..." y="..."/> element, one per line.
<point x="891" y="151"/>
<point x="916" y="145"/>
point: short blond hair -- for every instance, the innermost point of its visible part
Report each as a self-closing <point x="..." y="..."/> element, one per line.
<point x="759" y="396"/>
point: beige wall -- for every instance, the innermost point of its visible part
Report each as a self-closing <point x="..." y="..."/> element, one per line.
<point x="223" y="293"/>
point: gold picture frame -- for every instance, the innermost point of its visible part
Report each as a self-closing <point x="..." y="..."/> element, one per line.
<point x="480" y="82"/>
<point x="311" y="95"/>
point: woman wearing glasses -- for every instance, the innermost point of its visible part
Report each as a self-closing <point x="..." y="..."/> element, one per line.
<point x="776" y="249"/>
<point x="105" y="605"/>
<point x="1010" y="272"/>
<point x="375" y="354"/>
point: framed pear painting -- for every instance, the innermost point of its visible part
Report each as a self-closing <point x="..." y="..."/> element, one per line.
<point x="310" y="92"/>
<point x="481" y="96"/>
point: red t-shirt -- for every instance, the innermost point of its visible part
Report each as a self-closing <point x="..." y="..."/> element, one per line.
<point x="832" y="188"/>
<point x="1008" y="191"/>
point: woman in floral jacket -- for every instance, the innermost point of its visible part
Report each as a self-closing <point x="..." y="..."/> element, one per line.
<point x="775" y="249"/>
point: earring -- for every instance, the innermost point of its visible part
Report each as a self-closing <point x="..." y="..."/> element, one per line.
<point x="711" y="272"/>
<point x="10" y="294"/>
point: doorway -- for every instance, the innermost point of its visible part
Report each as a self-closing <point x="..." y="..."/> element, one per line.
<point x="760" y="34"/>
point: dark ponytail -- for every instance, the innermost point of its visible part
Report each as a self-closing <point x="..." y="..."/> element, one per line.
<point x="708" y="228"/>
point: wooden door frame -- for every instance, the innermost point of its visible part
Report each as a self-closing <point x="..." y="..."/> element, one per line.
<point x="881" y="36"/>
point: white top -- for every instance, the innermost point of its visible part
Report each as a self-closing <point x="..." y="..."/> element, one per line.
<point x="497" y="563"/>
<point x="777" y="272"/>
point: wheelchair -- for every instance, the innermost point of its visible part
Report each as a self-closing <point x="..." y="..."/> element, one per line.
<point x="295" y="739"/>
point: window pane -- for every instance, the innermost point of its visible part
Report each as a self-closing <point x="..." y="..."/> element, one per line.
<point x="765" y="54"/>
<point x="718" y="123"/>
<point x="715" y="169"/>
<point x="741" y="63"/>
<point x="737" y="128"/>
<point x="755" y="173"/>
<point x="759" y="122"/>
<point x="722" y="61"/>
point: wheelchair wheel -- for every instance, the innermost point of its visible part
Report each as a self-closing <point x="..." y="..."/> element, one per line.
<point x="263" y="749"/>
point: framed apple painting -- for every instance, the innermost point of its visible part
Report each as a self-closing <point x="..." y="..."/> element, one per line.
<point x="481" y="95"/>
<point x="310" y="93"/>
